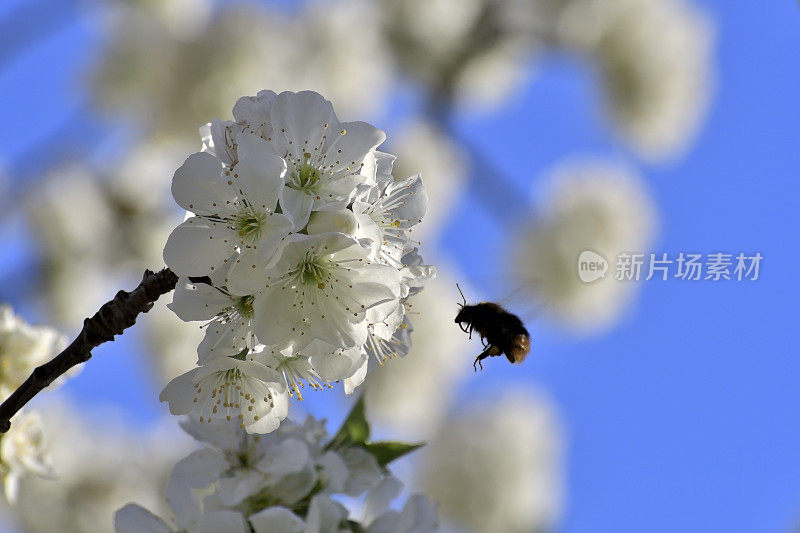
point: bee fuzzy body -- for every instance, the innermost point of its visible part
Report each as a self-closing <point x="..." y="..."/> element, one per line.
<point x="501" y="332"/>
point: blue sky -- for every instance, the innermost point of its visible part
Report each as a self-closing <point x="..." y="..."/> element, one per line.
<point x="683" y="418"/>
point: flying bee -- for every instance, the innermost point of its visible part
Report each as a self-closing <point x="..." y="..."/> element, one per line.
<point x="501" y="332"/>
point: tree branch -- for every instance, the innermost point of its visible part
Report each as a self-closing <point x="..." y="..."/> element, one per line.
<point x="112" y="319"/>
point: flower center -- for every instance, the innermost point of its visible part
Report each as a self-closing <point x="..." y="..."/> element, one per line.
<point x="314" y="271"/>
<point x="249" y="222"/>
<point x="244" y="306"/>
<point x="306" y="176"/>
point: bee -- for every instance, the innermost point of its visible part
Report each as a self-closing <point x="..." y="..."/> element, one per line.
<point x="501" y="332"/>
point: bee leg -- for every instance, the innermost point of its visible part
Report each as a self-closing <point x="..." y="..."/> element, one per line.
<point x="483" y="355"/>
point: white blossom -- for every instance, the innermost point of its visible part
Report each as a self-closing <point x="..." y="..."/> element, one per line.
<point x="426" y="379"/>
<point x="317" y="365"/>
<point x="472" y="51"/>
<point x="495" y="466"/>
<point x="655" y="61"/>
<point x="99" y="464"/>
<point x="284" y="481"/>
<point x="312" y="297"/>
<point x="592" y="204"/>
<point x="228" y="317"/>
<point x="23" y="347"/>
<point x="392" y="208"/>
<point x="321" y="288"/>
<point x="169" y="73"/>
<point x="23" y="452"/>
<point x="235" y="209"/>
<point x="421" y="147"/>
<point x="135" y="519"/>
<point x="227" y="387"/>
<point x="326" y="159"/>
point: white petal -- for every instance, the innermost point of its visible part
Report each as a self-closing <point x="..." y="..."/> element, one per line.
<point x="418" y="516"/>
<point x="197" y="246"/>
<point x="351" y="383"/>
<point x="197" y="185"/>
<point x="276" y="319"/>
<point x="222" y="522"/>
<point x="324" y="515"/>
<point x="254" y="110"/>
<point x="303" y="118"/>
<point x="248" y="274"/>
<point x="297" y="206"/>
<point x="364" y="470"/>
<point x="334" y="471"/>
<point x="222" y="340"/>
<point x="223" y="136"/>
<point x="380" y="497"/>
<point x="339" y="365"/>
<point x="287" y="457"/>
<point x="276" y="520"/>
<point x="197" y="471"/>
<point x="198" y="301"/>
<point x="232" y="490"/>
<point x="260" y="172"/>
<point x="135" y="519"/>
<point x="347" y="150"/>
<point x="273" y="233"/>
<point x="180" y="393"/>
<point x="414" y="200"/>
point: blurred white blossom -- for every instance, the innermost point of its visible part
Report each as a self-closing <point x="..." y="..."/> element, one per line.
<point x="655" y="61"/>
<point x="99" y="464"/>
<point x="496" y="465"/>
<point x="470" y="53"/>
<point x="591" y="204"/>
<point x="283" y="481"/>
<point x="98" y="229"/>
<point x="23" y="452"/>
<point x="421" y="148"/>
<point x="413" y="393"/>
<point x="23" y="347"/>
<point x="172" y="81"/>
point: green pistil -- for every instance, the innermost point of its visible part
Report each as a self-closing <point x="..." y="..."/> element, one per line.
<point x="307" y="176"/>
<point x="249" y="223"/>
<point x="314" y="272"/>
<point x="244" y="306"/>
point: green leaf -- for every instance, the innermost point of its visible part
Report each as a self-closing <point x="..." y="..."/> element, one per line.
<point x="386" y="451"/>
<point x="355" y="429"/>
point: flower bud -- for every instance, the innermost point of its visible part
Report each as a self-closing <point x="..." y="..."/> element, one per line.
<point x="343" y="221"/>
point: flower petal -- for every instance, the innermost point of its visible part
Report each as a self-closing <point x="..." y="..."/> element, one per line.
<point x="347" y="148"/>
<point x="297" y="206"/>
<point x="302" y="118"/>
<point x="196" y="247"/>
<point x="135" y="519"/>
<point x="197" y="301"/>
<point x="197" y="185"/>
<point x="276" y="520"/>
<point x="260" y="172"/>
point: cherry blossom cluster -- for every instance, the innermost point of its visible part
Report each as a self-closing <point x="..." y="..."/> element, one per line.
<point x="288" y="480"/>
<point x="23" y="449"/>
<point x="295" y="253"/>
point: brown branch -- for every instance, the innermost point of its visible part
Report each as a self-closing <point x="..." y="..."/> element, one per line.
<point x="112" y="319"/>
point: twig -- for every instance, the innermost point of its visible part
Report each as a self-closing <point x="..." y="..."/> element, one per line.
<point x="112" y="319"/>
